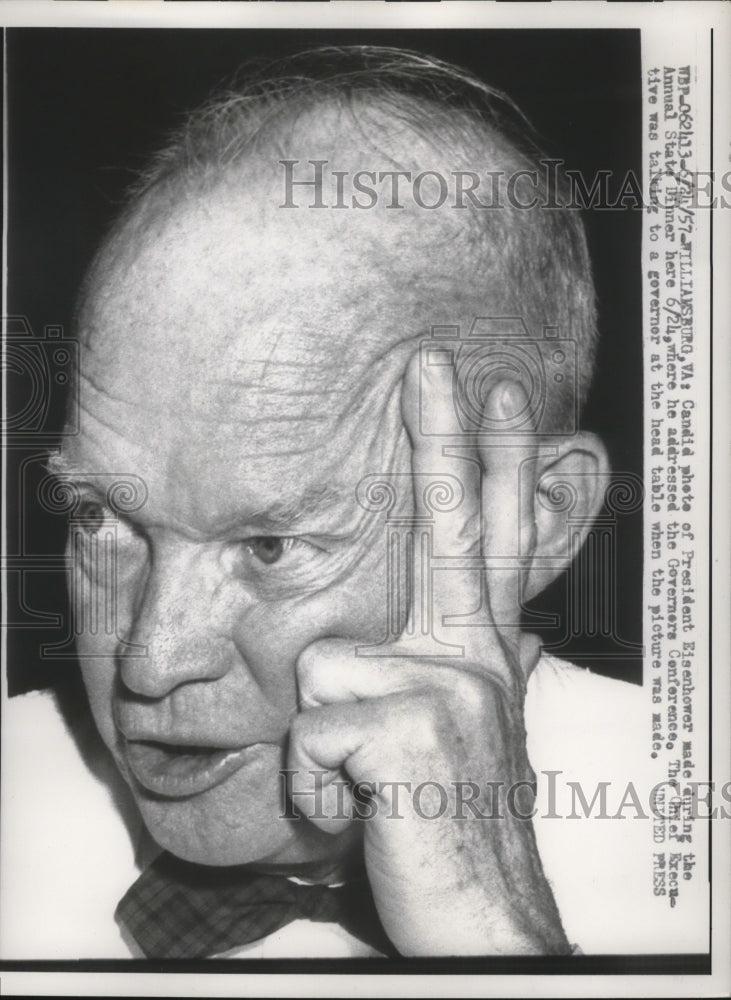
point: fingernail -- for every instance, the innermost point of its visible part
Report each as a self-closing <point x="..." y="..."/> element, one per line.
<point x="505" y="401"/>
<point x="513" y="400"/>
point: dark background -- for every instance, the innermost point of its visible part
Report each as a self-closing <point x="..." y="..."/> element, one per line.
<point x="86" y="107"/>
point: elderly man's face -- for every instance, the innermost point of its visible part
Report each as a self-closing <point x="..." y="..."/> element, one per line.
<point x="246" y="364"/>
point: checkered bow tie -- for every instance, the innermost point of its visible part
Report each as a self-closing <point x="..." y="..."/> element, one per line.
<point x="176" y="909"/>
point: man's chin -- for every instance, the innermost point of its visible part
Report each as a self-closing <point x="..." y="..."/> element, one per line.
<point x="206" y="848"/>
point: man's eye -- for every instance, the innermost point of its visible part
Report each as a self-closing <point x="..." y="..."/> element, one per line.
<point x="90" y="516"/>
<point x="269" y="549"/>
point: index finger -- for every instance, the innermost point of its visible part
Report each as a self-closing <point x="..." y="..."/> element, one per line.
<point x="446" y="483"/>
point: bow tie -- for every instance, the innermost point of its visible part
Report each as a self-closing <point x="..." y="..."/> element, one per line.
<point x="176" y="909"/>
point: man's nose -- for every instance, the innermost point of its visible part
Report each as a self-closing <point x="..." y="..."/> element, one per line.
<point x="184" y="622"/>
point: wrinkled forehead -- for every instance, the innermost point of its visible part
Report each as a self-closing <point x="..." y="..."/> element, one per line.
<point x="241" y="310"/>
<point x="233" y="353"/>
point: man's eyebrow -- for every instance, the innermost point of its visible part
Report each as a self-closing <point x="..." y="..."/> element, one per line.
<point x="59" y="465"/>
<point x="276" y="516"/>
<point x="312" y="501"/>
<point x="102" y="484"/>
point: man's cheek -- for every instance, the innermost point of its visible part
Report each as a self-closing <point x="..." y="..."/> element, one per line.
<point x="98" y="674"/>
<point x="270" y="638"/>
<point x="357" y="608"/>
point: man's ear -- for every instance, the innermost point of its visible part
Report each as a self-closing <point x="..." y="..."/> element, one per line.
<point x="569" y="492"/>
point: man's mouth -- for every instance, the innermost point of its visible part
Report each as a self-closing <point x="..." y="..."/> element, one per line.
<point x="178" y="771"/>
